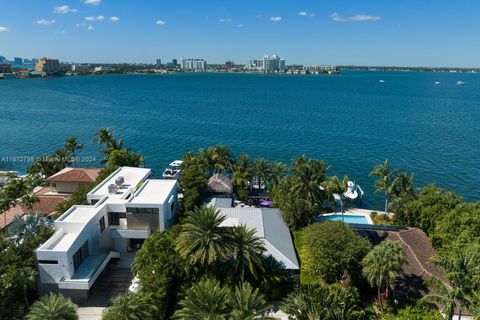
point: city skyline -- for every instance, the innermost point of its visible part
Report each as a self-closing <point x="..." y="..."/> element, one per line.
<point x="429" y="33"/>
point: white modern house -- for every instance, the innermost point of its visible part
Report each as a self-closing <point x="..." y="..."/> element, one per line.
<point x="123" y="210"/>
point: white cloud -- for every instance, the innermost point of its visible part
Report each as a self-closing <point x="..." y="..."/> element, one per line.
<point x="336" y="17"/>
<point x="93" y="2"/>
<point x="43" y="22"/>
<point x="225" y="20"/>
<point x="90" y="28"/>
<point x="3" y="29"/>
<point x="114" y="19"/>
<point x="92" y="18"/>
<point x="363" y="17"/>
<point x="240" y="25"/>
<point x="64" y="9"/>
<point x="302" y="13"/>
<point x="160" y="23"/>
<point x="276" y="19"/>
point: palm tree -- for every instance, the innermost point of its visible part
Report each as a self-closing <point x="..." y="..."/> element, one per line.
<point x="312" y="302"/>
<point x="130" y="306"/>
<point x="381" y="265"/>
<point x="247" y="303"/>
<point x="53" y="307"/>
<point x="27" y="227"/>
<point x="335" y="186"/>
<point x="386" y="177"/>
<point x="311" y="176"/>
<point x="106" y="138"/>
<point x="202" y="240"/>
<point x="261" y="171"/>
<point x="403" y="184"/>
<point x="460" y="264"/>
<point x="306" y="303"/>
<point x="206" y="159"/>
<point x="72" y="145"/>
<point x="450" y="298"/>
<point x="223" y="158"/>
<point x="278" y="170"/>
<point x="29" y="199"/>
<point x="248" y="252"/>
<point x="206" y="300"/>
<point x="62" y="159"/>
<point x="25" y="279"/>
<point x="242" y="172"/>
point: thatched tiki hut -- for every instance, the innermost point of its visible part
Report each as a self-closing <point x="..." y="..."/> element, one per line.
<point x="220" y="186"/>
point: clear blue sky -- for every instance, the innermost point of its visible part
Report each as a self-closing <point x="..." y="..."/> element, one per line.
<point x="361" y="32"/>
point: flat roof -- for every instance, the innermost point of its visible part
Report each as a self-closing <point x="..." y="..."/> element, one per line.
<point x="131" y="176"/>
<point x="65" y="242"/>
<point x="154" y="191"/>
<point x="80" y="214"/>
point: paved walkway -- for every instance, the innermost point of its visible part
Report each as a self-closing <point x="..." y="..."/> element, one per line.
<point x="90" y="313"/>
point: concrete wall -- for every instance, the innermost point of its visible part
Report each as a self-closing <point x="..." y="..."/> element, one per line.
<point x="65" y="187"/>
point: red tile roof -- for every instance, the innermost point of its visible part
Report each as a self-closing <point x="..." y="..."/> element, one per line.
<point x="75" y="175"/>
<point x="46" y="204"/>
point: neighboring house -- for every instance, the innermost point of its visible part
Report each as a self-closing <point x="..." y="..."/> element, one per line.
<point x="220" y="186"/>
<point x="124" y="210"/>
<point x="62" y="185"/>
<point x="269" y="225"/>
<point x="68" y="179"/>
<point x="47" y="202"/>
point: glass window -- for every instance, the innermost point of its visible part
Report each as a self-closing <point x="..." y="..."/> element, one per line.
<point x="80" y="255"/>
<point x="102" y="224"/>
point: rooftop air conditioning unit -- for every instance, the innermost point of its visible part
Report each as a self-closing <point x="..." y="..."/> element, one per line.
<point x="113" y="188"/>
<point x="119" y="181"/>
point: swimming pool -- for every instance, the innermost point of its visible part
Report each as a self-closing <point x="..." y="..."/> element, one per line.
<point x="347" y="218"/>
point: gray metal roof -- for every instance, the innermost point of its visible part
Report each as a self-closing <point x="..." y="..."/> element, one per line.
<point x="270" y="226"/>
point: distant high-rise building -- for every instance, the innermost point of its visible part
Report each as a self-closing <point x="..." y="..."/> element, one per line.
<point x="196" y="65"/>
<point x="255" y="64"/>
<point x="229" y="65"/>
<point x="5" y="68"/>
<point x="268" y="63"/>
<point x="159" y="62"/>
<point x="17" y="61"/>
<point x="174" y="62"/>
<point x="49" y="66"/>
<point x="273" y="62"/>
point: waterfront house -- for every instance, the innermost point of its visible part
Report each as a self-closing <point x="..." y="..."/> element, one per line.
<point x="268" y="225"/>
<point x="69" y="179"/>
<point x="123" y="210"/>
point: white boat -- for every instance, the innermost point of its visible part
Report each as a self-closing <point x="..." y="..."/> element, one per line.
<point x="460" y="83"/>
<point x="354" y="191"/>
<point x="381" y="81"/>
<point x="173" y="171"/>
<point x="437" y="82"/>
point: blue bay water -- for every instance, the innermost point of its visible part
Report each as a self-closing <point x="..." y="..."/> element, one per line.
<point x="351" y="120"/>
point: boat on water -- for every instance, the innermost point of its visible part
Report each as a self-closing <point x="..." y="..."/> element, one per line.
<point x="382" y="81"/>
<point x="354" y="191"/>
<point x="173" y="171"/>
<point x="460" y="83"/>
<point x="437" y="82"/>
<point x="353" y="196"/>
